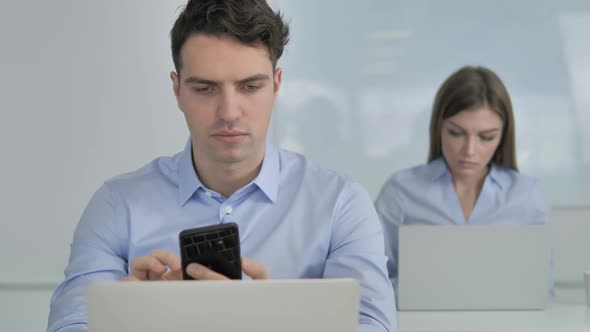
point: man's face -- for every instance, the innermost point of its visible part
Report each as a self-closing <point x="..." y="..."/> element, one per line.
<point x="226" y="91"/>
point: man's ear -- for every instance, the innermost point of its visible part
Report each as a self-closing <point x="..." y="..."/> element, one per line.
<point x="278" y="77"/>
<point x="175" y="83"/>
<point x="176" y="87"/>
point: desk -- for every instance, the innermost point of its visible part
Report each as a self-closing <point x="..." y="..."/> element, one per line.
<point x="567" y="312"/>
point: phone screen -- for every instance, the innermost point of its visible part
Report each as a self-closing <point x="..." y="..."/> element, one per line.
<point x="217" y="247"/>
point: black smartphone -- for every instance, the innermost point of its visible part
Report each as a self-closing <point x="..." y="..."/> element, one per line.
<point x="217" y="247"/>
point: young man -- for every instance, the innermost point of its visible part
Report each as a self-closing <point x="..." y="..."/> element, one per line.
<point x="296" y="220"/>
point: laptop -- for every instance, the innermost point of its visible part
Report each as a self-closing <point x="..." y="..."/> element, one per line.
<point x="289" y="305"/>
<point x="473" y="267"/>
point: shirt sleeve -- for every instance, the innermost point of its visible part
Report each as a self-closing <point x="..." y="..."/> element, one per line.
<point x="390" y="213"/>
<point x="98" y="253"/>
<point x="356" y="251"/>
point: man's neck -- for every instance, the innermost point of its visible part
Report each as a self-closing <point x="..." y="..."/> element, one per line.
<point x="226" y="178"/>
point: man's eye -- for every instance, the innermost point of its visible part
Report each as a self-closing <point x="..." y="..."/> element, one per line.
<point x="203" y="90"/>
<point x="251" y="87"/>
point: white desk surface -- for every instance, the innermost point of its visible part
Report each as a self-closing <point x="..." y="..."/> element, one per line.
<point x="567" y="312"/>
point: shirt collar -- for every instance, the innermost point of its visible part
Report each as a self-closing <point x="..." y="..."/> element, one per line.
<point x="438" y="168"/>
<point x="189" y="182"/>
<point x="269" y="176"/>
<point x="499" y="176"/>
<point x="267" y="179"/>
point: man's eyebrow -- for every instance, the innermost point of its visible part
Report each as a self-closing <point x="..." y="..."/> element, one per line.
<point x="198" y="80"/>
<point x="256" y="77"/>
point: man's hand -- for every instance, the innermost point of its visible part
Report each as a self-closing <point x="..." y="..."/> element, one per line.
<point x="164" y="265"/>
<point x="252" y="268"/>
<point x="159" y="265"/>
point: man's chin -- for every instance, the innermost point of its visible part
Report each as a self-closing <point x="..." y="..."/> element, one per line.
<point x="235" y="154"/>
<point x="231" y="156"/>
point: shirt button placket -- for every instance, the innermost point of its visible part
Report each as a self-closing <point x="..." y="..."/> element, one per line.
<point x="228" y="209"/>
<point x="225" y="212"/>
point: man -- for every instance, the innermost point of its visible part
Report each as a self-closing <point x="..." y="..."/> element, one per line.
<point x="296" y="220"/>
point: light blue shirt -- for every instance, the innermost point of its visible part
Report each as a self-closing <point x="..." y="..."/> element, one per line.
<point x="299" y="220"/>
<point x="425" y="195"/>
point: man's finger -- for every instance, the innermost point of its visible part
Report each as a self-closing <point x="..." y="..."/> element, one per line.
<point x="168" y="259"/>
<point x="131" y="278"/>
<point x="200" y="272"/>
<point x="171" y="275"/>
<point x="147" y="268"/>
<point x="254" y="269"/>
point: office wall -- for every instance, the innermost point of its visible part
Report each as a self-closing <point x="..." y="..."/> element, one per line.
<point x="362" y="76"/>
<point x="85" y="95"/>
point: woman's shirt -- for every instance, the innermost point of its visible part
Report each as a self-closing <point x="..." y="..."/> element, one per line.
<point x="425" y="195"/>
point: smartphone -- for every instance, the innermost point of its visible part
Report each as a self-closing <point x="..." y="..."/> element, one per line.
<point x="217" y="247"/>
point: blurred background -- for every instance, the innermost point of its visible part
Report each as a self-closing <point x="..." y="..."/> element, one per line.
<point x="85" y="95"/>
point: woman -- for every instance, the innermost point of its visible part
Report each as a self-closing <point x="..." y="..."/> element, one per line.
<point x="471" y="176"/>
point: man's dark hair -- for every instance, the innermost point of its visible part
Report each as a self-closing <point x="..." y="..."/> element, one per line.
<point x="248" y="21"/>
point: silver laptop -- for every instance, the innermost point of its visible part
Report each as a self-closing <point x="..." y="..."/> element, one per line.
<point x="473" y="267"/>
<point x="263" y="306"/>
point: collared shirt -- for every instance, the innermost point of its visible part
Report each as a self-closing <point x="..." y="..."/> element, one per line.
<point x="425" y="195"/>
<point x="299" y="220"/>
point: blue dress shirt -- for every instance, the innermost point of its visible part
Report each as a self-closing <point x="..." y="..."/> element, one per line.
<point x="425" y="195"/>
<point x="299" y="220"/>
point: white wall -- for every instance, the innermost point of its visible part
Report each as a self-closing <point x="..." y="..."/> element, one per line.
<point x="362" y="76"/>
<point x="85" y="95"/>
<point x="24" y="309"/>
<point x="570" y="231"/>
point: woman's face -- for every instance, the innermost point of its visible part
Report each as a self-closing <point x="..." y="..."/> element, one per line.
<point x="469" y="140"/>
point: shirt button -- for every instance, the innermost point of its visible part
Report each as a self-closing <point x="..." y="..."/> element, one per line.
<point x="228" y="209"/>
<point x="208" y="193"/>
